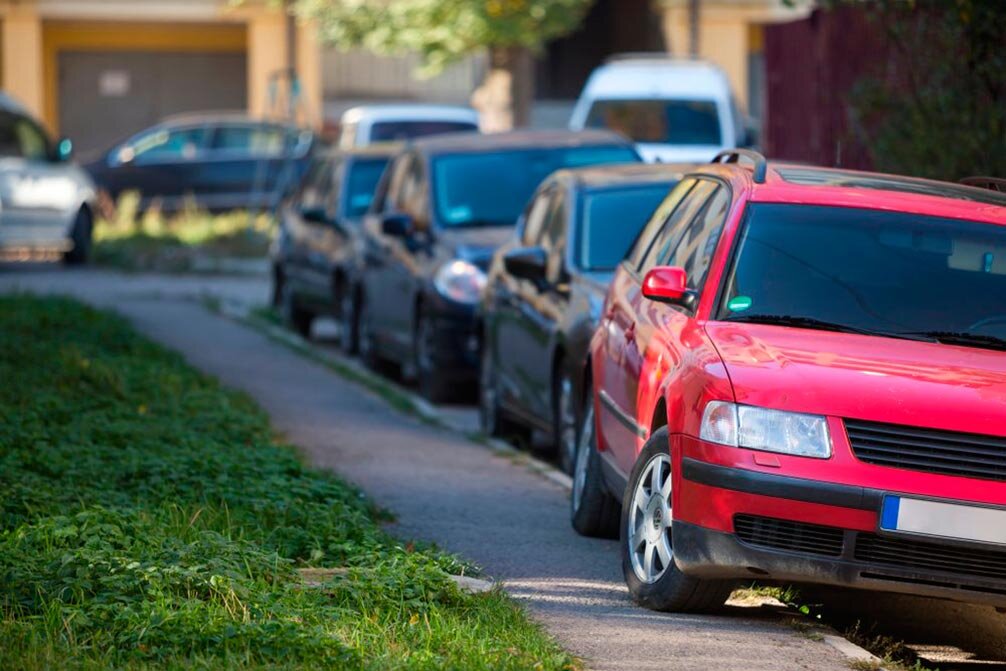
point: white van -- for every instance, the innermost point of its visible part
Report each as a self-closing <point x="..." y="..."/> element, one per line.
<point x="373" y="124"/>
<point x="675" y="111"/>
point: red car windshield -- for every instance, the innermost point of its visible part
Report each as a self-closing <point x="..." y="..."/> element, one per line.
<point x="856" y="270"/>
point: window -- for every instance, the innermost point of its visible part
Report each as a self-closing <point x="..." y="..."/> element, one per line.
<point x="21" y="138"/>
<point x="667" y="240"/>
<point x="696" y="248"/>
<point x="537" y="215"/>
<point x="391" y="131"/>
<point x="407" y="194"/>
<point x="687" y="122"/>
<point x="611" y="221"/>
<point x="317" y="185"/>
<point x="264" y="141"/>
<point x="657" y="221"/>
<point x="889" y="272"/>
<point x="163" y="144"/>
<point x="490" y="188"/>
<point x="553" y="238"/>
<point x="361" y="182"/>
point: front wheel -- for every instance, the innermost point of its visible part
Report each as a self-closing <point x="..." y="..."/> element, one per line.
<point x="433" y="384"/>
<point x="565" y="422"/>
<point x="349" y="321"/>
<point x="294" y="316"/>
<point x="652" y="576"/>
<point x="80" y="236"/>
<point x="593" y="511"/>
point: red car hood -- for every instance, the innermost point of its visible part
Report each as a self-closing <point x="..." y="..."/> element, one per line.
<point x="864" y="377"/>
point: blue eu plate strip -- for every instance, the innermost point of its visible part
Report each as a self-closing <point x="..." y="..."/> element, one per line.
<point x="889" y="513"/>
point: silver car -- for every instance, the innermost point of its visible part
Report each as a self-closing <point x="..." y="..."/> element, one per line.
<point x="46" y="202"/>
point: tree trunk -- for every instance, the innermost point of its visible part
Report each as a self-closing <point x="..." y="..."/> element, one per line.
<point x="504" y="98"/>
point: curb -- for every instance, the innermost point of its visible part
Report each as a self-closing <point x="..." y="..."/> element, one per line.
<point x="425" y="410"/>
<point x="852" y="651"/>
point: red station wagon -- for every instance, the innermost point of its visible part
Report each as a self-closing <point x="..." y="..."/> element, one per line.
<point x="800" y="376"/>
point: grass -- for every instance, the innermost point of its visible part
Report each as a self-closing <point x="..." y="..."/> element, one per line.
<point x="150" y="519"/>
<point x="192" y="239"/>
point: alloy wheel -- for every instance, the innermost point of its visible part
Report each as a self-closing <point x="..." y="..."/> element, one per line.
<point x="649" y="521"/>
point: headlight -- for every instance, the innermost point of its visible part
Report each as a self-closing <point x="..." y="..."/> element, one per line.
<point x="460" y="281"/>
<point x="767" y="430"/>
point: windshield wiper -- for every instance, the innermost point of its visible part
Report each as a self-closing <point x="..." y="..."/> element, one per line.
<point x="962" y="338"/>
<point x="822" y="325"/>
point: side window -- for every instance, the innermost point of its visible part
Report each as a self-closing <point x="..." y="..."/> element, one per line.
<point x="176" y="144"/>
<point x="657" y="221"/>
<point x="537" y="214"/>
<point x="695" y="250"/>
<point x="553" y="238"/>
<point x="668" y="237"/>
<point x="413" y="193"/>
<point x="397" y="172"/>
<point x="266" y="141"/>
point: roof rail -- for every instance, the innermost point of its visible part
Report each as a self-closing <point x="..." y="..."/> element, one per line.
<point x="735" y="156"/>
<point x="990" y="183"/>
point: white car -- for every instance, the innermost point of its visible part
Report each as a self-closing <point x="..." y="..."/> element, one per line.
<point x="371" y="124"/>
<point x="46" y="202"/>
<point x="675" y="111"/>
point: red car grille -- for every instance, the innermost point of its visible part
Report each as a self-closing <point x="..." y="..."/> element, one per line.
<point x="965" y="454"/>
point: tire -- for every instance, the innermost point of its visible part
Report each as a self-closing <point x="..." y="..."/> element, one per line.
<point x="80" y="235"/>
<point x="349" y="321"/>
<point x="565" y="421"/>
<point x="652" y="576"/>
<point x="294" y="316"/>
<point x="366" y="345"/>
<point x="433" y="385"/>
<point x="593" y="511"/>
<point x="491" y="417"/>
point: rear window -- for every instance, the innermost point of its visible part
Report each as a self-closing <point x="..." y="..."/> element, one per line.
<point x="391" y="131"/>
<point x="360" y="185"/>
<point x="611" y="221"/>
<point x="687" y="122"/>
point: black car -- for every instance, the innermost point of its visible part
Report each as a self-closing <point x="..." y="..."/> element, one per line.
<point x="216" y="162"/>
<point x="443" y="207"/>
<point x="316" y="254"/>
<point x="545" y="290"/>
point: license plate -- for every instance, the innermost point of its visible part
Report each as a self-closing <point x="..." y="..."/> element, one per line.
<point x="940" y="519"/>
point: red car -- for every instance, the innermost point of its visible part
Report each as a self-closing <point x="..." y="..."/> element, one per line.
<point x="800" y="376"/>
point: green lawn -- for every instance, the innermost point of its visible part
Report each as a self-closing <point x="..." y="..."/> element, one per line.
<point x="149" y="519"/>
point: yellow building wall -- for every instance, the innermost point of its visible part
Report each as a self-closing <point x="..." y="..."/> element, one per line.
<point x="22" y="60"/>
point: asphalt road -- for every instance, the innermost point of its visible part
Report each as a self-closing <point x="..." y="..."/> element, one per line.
<point x="446" y="489"/>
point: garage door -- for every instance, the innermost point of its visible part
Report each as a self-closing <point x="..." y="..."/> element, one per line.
<point x="106" y="96"/>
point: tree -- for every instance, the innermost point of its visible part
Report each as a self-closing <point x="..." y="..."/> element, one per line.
<point x="445" y="31"/>
<point x="937" y="107"/>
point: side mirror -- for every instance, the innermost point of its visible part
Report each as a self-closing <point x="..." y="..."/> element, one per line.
<point x="397" y="225"/>
<point x="315" y="215"/>
<point x="526" y="263"/>
<point x="665" y="284"/>
<point x="64" y="150"/>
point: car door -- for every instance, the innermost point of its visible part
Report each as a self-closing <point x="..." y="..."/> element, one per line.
<point x="693" y="250"/>
<point x="618" y="423"/>
<point x="508" y="320"/>
<point x="160" y="164"/>
<point x="297" y="230"/>
<point x="541" y="305"/>
<point x="325" y="239"/>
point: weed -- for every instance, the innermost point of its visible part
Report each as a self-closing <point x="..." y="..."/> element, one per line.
<point x="148" y="519"/>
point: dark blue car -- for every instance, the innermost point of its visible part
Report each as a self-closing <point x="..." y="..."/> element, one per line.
<point x="216" y="162"/>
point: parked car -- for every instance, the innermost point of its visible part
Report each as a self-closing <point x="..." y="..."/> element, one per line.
<point x="46" y="201"/>
<point x="217" y="162"/>
<point x="801" y="376"/>
<point x="316" y="255"/>
<point x="371" y="124"/>
<point x="676" y="111"/>
<point x="443" y="207"/>
<point x="544" y="293"/>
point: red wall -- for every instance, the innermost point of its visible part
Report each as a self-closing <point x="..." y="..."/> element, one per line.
<point x="810" y="67"/>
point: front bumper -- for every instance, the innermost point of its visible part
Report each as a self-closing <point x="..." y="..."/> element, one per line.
<point x="762" y="526"/>
<point x="455" y="345"/>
